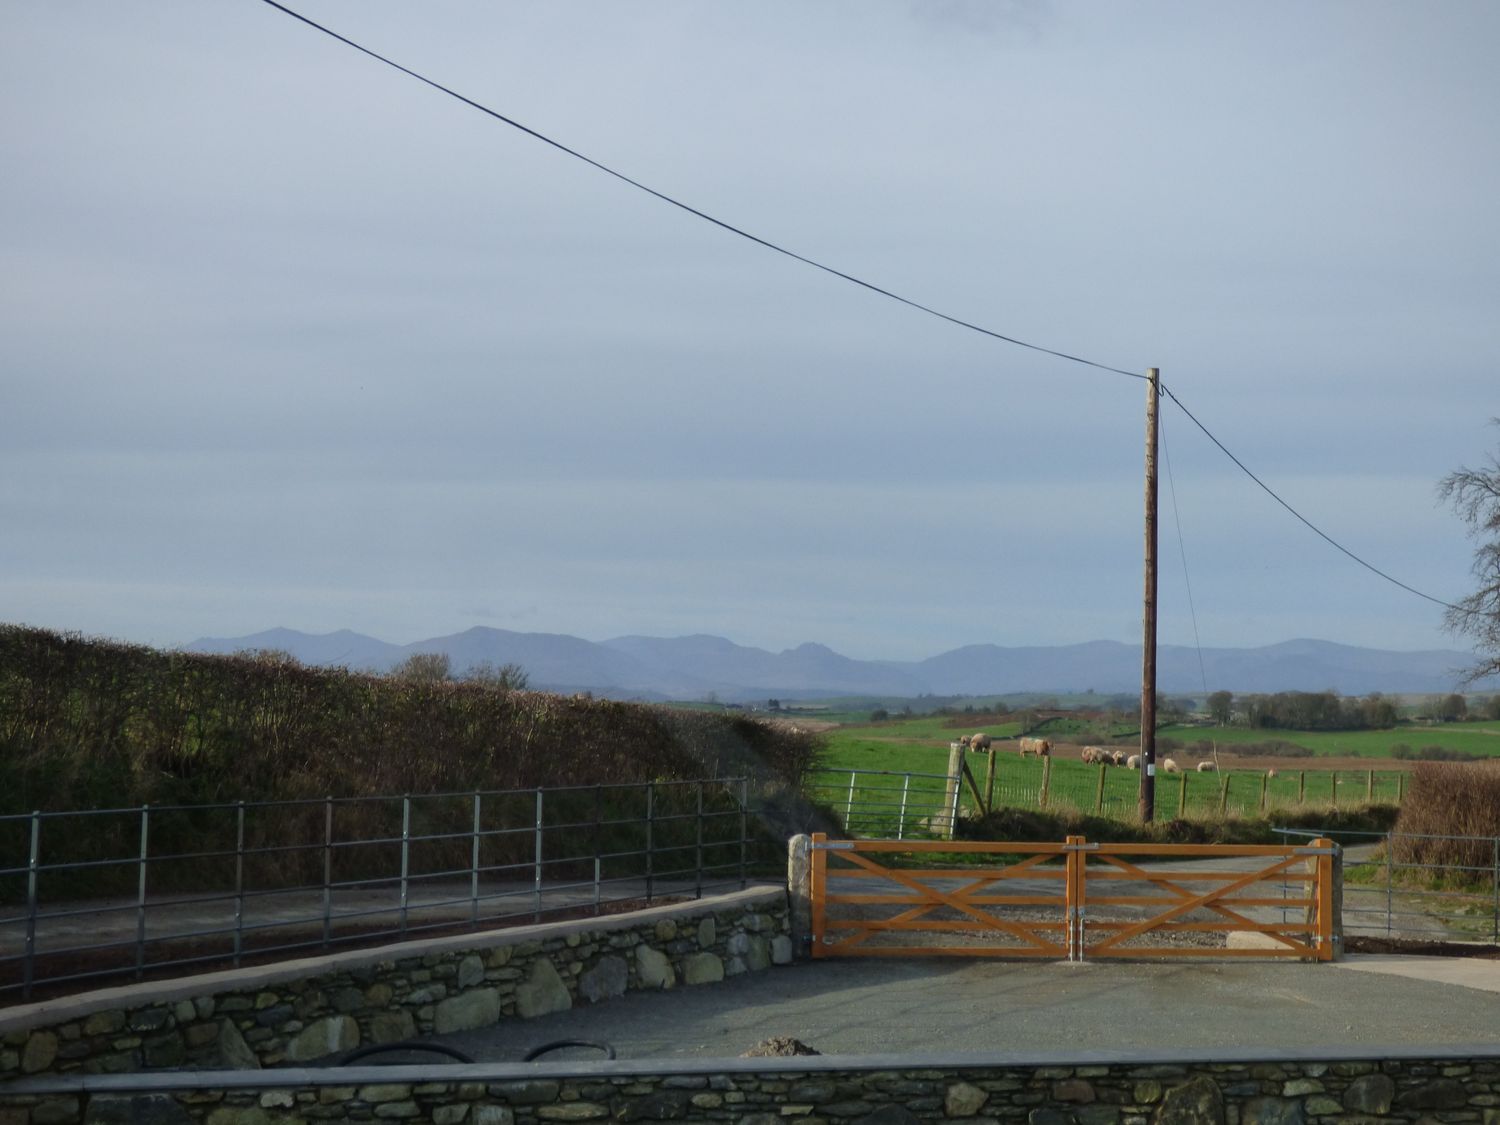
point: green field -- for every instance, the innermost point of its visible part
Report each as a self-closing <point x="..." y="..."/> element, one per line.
<point x="920" y="746"/>
<point x="1473" y="738"/>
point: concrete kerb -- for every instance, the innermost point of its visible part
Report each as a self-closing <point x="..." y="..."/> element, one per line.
<point x="490" y="1073"/>
<point x="27" y="1016"/>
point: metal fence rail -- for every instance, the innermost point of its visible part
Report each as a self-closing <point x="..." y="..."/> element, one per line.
<point x="123" y="892"/>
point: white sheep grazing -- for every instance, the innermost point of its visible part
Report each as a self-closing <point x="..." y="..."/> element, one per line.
<point x="980" y="741"/>
<point x="1207" y="767"/>
<point x="964" y="741"/>
<point x="1133" y="762"/>
<point x="1270" y="773"/>
<point x="1170" y="766"/>
<point x="1118" y="757"/>
<point x="1092" y="755"/>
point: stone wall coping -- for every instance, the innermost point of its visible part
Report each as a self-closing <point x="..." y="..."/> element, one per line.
<point x="249" y="978"/>
<point x="147" y="1082"/>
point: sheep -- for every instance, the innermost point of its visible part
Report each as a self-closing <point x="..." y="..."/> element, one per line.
<point x="1270" y="773"/>
<point x="1207" y="767"/>
<point x="1038" y="746"/>
<point x="980" y="741"/>
<point x="1170" y="766"/>
<point x="964" y="741"/>
<point x="1094" y="755"/>
<point x="1133" y="762"/>
<point x="1118" y="757"/>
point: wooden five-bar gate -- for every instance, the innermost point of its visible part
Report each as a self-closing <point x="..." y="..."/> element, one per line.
<point x="1070" y="901"/>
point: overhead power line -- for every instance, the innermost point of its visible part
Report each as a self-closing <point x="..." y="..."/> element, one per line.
<point x="769" y="245"/>
<point x="704" y="215"/>
<point x="1332" y="542"/>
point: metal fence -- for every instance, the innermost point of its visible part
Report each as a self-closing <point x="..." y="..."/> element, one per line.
<point x="125" y="892"/>
<point x="886" y="803"/>
<point x="1397" y="886"/>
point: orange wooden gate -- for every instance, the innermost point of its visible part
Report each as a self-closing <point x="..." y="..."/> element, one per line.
<point x="1073" y="900"/>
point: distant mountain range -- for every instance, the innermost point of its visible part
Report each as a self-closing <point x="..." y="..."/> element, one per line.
<point x="664" y="668"/>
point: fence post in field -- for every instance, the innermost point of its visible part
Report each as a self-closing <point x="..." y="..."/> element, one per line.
<point x="1046" y="779"/>
<point x="239" y="881"/>
<point x="1302" y="787"/>
<point x="1400" y="786"/>
<point x="140" y="901"/>
<point x="1223" y="794"/>
<point x="1370" y="788"/>
<point x="951" y="788"/>
<point x="1099" y="792"/>
<point x="901" y="819"/>
<point x="799" y="892"/>
<point x="1333" y="788"/>
<point x="1265" y="788"/>
<point x="1181" y="795"/>
<point x="849" y="804"/>
<point x="327" y="870"/>
<point x="29" y="969"/>
<point x="989" y="781"/>
<point x="405" y="857"/>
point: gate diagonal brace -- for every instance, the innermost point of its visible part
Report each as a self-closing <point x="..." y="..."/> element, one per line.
<point x="1218" y="908"/>
<point x="1192" y="904"/>
<point x="944" y="898"/>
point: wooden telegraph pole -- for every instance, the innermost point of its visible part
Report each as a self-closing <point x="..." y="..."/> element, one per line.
<point x="1148" y="644"/>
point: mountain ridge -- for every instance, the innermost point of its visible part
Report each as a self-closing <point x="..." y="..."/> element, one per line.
<point x="702" y="664"/>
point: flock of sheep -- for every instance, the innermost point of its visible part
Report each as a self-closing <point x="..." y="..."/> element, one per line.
<point x="1092" y="755"/>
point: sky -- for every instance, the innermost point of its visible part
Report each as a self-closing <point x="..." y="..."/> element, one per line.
<point x="291" y="339"/>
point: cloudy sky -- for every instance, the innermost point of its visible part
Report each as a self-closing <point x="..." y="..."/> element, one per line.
<point x="291" y="339"/>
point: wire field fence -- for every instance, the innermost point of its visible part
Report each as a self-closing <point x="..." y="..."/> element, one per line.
<point x="131" y="891"/>
<point x="901" y="805"/>
<point x="1418" y="887"/>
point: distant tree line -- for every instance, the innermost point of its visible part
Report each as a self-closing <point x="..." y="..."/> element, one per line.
<point x="1304" y="710"/>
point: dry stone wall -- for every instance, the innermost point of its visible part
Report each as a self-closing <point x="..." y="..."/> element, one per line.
<point x="825" y="1091"/>
<point x="303" y="1010"/>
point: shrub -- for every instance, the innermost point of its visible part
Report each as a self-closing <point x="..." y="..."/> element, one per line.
<point x="1448" y="817"/>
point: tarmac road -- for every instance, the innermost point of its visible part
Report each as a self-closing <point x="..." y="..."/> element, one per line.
<point x="881" y="1006"/>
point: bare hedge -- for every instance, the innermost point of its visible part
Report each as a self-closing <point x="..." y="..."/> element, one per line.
<point x="87" y="723"/>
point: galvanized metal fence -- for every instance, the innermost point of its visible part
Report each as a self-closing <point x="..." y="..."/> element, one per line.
<point x="886" y="803"/>
<point x="126" y="892"/>
<point x="1419" y="887"/>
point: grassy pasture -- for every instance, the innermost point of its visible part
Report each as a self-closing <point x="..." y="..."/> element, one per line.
<point x="1473" y="738"/>
<point x="920" y="745"/>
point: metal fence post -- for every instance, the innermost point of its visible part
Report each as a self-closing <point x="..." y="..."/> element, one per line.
<point x="901" y="823"/>
<point x="239" y="882"/>
<point x="536" y="867"/>
<point x="650" y="835"/>
<point x="1390" y="867"/>
<point x="744" y="831"/>
<point x="140" y="901"/>
<point x="29" y="968"/>
<point x="327" y="870"/>
<point x="474" y="862"/>
<point x="698" y="852"/>
<point x="849" y="805"/>
<point x="405" y="857"/>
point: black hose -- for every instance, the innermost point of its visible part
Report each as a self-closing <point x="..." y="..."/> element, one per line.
<point x="536" y="1052"/>
<point x="404" y="1045"/>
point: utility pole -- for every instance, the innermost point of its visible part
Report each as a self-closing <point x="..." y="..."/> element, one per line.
<point x="1148" y="642"/>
